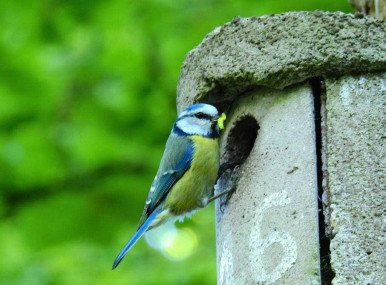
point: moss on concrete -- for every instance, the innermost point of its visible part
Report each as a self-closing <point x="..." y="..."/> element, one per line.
<point x="355" y="155"/>
<point x="278" y="51"/>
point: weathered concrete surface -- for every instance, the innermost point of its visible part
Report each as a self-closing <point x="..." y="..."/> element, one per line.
<point x="259" y="240"/>
<point x="268" y="233"/>
<point x="278" y="51"/>
<point x="356" y="165"/>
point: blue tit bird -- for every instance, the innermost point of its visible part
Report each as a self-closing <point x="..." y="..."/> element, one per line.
<point x="187" y="172"/>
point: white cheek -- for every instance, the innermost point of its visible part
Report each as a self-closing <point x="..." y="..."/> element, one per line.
<point x="192" y="126"/>
<point x="205" y="124"/>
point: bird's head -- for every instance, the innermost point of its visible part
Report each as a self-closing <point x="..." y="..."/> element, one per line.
<point x="198" y="119"/>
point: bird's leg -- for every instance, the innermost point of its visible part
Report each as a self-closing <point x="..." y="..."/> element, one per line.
<point x="226" y="182"/>
<point x="228" y="197"/>
<point x="221" y="194"/>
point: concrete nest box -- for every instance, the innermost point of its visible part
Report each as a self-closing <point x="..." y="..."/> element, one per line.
<point x="303" y="92"/>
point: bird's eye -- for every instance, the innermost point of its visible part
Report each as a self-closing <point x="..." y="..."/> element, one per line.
<point x="200" y="115"/>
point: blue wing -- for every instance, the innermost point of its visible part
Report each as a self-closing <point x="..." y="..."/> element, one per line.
<point x="175" y="162"/>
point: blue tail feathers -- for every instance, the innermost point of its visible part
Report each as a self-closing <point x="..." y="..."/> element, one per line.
<point x="142" y="229"/>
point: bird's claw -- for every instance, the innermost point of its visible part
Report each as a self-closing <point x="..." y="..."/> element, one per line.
<point x="227" y="180"/>
<point x="226" y="200"/>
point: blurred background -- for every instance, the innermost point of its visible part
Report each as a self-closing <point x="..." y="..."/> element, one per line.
<point x="87" y="100"/>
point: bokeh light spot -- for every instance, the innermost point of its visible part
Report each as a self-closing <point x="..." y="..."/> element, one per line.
<point x="175" y="244"/>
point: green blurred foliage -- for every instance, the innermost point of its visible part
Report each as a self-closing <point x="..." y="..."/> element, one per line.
<point x="87" y="99"/>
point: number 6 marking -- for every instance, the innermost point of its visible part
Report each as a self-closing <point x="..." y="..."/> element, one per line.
<point x="258" y="243"/>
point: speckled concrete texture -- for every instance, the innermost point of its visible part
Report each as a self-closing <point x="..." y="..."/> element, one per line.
<point x="268" y="233"/>
<point x="356" y="165"/>
<point x="278" y="51"/>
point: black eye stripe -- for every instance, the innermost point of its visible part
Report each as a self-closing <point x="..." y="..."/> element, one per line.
<point x="201" y="115"/>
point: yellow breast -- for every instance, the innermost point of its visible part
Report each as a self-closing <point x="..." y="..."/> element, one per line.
<point x="191" y="191"/>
